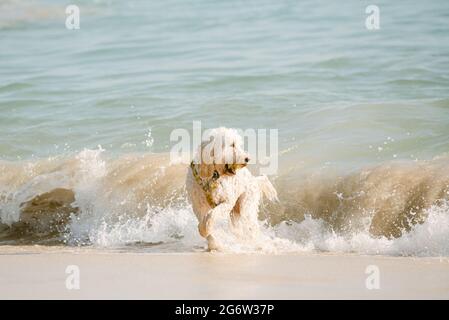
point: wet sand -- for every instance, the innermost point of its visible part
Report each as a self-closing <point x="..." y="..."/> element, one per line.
<point x="33" y="272"/>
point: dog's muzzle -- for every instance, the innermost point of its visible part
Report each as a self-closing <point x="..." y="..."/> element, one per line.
<point x="232" y="168"/>
<point x="229" y="169"/>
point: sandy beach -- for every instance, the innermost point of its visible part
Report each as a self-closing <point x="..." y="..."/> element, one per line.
<point x="40" y="273"/>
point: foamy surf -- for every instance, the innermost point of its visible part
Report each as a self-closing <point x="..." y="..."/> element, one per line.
<point x="139" y="201"/>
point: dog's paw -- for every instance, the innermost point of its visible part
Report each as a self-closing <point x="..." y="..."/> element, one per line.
<point x="212" y="244"/>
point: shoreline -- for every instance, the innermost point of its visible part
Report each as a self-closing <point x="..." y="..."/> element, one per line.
<point x="34" y="272"/>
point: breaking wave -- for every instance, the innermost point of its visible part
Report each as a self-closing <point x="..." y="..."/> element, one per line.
<point x="397" y="208"/>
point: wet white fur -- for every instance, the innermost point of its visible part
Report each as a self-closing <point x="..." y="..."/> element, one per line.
<point x="242" y="189"/>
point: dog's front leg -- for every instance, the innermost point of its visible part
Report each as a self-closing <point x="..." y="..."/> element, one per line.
<point x="206" y="225"/>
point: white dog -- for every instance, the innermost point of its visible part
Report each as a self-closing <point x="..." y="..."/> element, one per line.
<point x="218" y="184"/>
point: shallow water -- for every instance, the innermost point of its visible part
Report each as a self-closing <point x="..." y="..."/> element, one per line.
<point x="363" y="119"/>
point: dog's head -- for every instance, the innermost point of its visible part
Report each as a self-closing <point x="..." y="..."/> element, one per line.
<point x="222" y="153"/>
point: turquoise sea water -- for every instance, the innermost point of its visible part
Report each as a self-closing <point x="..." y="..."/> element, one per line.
<point x="340" y="95"/>
<point x="310" y="69"/>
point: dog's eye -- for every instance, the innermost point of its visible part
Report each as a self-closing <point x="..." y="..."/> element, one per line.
<point x="233" y="145"/>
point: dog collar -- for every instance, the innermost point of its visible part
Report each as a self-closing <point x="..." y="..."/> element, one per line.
<point x="208" y="185"/>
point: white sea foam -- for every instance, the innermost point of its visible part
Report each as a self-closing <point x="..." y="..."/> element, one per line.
<point x="428" y="239"/>
<point x="137" y="200"/>
<point x="177" y="227"/>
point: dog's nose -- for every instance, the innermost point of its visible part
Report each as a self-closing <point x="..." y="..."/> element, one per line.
<point x="246" y="159"/>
